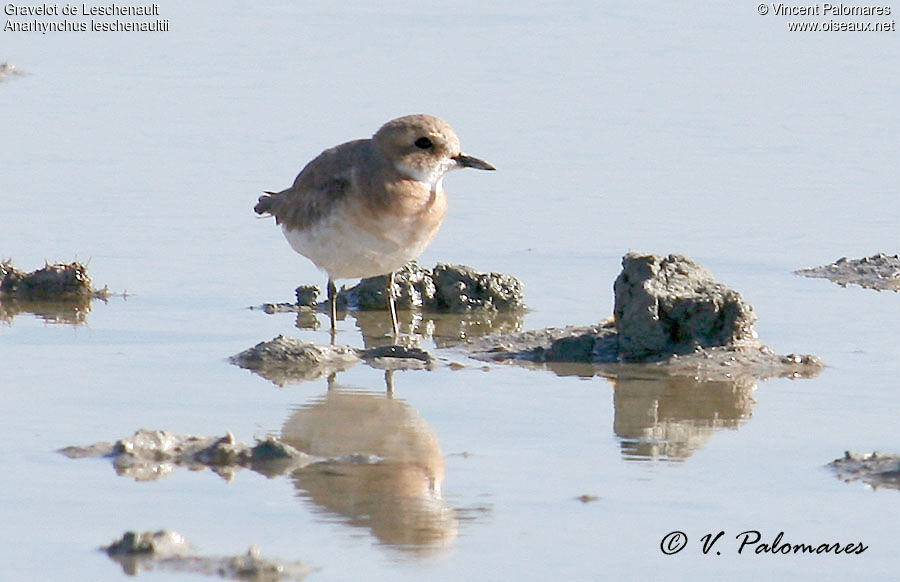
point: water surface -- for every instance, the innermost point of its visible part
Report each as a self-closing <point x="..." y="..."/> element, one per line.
<point x="712" y="132"/>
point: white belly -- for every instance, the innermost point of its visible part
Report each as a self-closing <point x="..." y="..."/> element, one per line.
<point x="346" y="252"/>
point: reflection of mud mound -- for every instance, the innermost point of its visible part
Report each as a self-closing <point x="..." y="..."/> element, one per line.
<point x="58" y="293"/>
<point x="399" y="499"/>
<point x="875" y="470"/>
<point x="73" y="312"/>
<point x="444" y="329"/>
<point x="169" y="551"/>
<point x="448" y="304"/>
<point x="671" y="315"/>
<point x="671" y="417"/>
<point x="880" y="272"/>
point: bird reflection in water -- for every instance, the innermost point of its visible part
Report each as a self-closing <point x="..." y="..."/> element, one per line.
<point x="398" y="497"/>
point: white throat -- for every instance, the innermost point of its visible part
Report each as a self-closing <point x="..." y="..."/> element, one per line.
<point x="433" y="177"/>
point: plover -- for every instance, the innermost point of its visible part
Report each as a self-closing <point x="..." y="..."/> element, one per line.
<point x="367" y="207"/>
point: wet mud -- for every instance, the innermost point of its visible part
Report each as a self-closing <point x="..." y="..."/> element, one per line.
<point x="878" y="471"/>
<point x="443" y="289"/>
<point x="681" y="351"/>
<point x="149" y="455"/>
<point x="284" y="360"/>
<point x="446" y="305"/>
<point x="59" y="292"/>
<point x="443" y="329"/>
<point x="168" y="551"/>
<point x="880" y="272"/>
<point x="671" y="318"/>
<point x="58" y="281"/>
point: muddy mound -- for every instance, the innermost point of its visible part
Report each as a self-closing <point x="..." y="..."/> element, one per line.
<point x="670" y="314"/>
<point x="875" y="470"/>
<point x="446" y="288"/>
<point x="167" y="550"/>
<point x="880" y="272"/>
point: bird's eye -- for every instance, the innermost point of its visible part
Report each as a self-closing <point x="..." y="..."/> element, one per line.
<point x="423" y="143"/>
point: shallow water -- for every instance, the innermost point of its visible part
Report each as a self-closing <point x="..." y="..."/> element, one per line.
<point x="711" y="132"/>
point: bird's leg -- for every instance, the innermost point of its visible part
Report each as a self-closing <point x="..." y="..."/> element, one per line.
<point x="394" y="325"/>
<point x="332" y="306"/>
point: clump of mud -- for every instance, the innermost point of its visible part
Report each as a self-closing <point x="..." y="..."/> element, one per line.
<point x="160" y="542"/>
<point x="880" y="272"/>
<point x="672" y="305"/>
<point x="284" y="359"/>
<point x="168" y="550"/>
<point x="149" y="455"/>
<point x="875" y="470"/>
<point x="394" y="357"/>
<point x="58" y="282"/>
<point x="670" y="314"/>
<point x="444" y="289"/>
<point x="60" y="292"/>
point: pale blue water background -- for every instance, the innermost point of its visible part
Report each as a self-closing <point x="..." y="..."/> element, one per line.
<point x="706" y="130"/>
